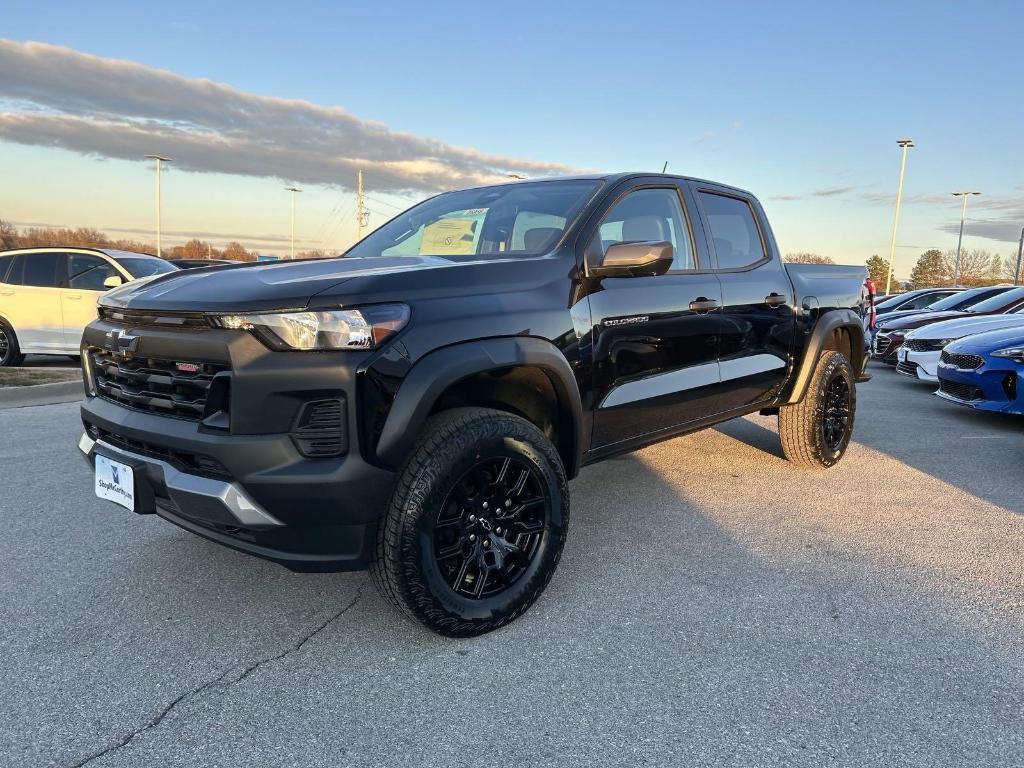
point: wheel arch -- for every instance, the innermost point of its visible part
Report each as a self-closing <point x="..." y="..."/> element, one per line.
<point x="838" y="331"/>
<point x="524" y="375"/>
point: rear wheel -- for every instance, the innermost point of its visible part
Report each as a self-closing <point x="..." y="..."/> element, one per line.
<point x="10" y="352"/>
<point x="476" y="523"/>
<point x="816" y="431"/>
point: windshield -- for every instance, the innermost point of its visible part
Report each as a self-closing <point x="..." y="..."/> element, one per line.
<point x="966" y="298"/>
<point x="141" y="266"/>
<point x="996" y="303"/>
<point x="524" y="219"/>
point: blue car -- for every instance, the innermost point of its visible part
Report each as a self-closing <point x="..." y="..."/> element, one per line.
<point x="985" y="371"/>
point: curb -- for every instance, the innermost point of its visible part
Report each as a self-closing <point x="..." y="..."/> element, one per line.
<point x="41" y="394"/>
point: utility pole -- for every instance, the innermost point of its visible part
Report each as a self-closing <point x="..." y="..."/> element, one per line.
<point x="159" y="159"/>
<point x="293" y="190"/>
<point x="960" y="239"/>
<point x="904" y="145"/>
<point x="359" y="206"/>
<point x="209" y="251"/>
<point x="1020" y="251"/>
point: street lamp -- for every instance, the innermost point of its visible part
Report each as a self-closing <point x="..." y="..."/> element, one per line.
<point x="960" y="239"/>
<point x="293" y="190"/>
<point x="904" y="145"/>
<point x="159" y="159"/>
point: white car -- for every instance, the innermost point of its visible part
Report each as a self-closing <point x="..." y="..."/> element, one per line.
<point x="919" y="355"/>
<point x="48" y="295"/>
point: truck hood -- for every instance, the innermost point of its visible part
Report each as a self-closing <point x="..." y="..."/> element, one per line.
<point x="954" y="329"/>
<point x="265" y="286"/>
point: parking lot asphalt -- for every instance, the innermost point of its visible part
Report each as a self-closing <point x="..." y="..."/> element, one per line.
<point x="714" y="606"/>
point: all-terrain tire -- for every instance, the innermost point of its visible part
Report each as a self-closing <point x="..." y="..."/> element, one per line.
<point x="803" y="427"/>
<point x="10" y="351"/>
<point x="455" y="444"/>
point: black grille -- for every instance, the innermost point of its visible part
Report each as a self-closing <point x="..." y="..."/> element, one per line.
<point x="965" y="392"/>
<point x="167" y="387"/>
<point x="920" y="345"/>
<point x="964" y="362"/>
<point x="320" y="429"/>
<point x="193" y="463"/>
<point x="907" y="368"/>
<point x="135" y="317"/>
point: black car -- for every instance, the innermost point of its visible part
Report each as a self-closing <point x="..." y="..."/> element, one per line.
<point x="419" y="405"/>
<point x="920" y="298"/>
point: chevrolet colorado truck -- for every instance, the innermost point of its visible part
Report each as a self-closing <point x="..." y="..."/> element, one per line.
<point x="418" y="405"/>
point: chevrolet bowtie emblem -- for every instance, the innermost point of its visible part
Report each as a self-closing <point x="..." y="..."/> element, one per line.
<point x="120" y="342"/>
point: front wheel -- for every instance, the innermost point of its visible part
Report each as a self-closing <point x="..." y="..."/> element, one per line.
<point x="476" y="523"/>
<point x="816" y="431"/>
<point x="10" y="352"/>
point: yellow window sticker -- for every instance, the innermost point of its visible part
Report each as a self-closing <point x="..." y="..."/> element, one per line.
<point x="449" y="236"/>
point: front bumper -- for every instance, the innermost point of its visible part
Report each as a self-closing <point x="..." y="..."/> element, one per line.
<point x="996" y="386"/>
<point x="920" y="365"/>
<point x="247" y="477"/>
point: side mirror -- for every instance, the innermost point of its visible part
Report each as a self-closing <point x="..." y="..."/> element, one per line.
<point x="634" y="260"/>
<point x="113" y="281"/>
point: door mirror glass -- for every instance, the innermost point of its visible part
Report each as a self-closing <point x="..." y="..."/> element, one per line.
<point x="113" y="281"/>
<point x="635" y="259"/>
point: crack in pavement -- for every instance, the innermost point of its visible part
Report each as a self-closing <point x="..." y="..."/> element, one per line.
<point x="223" y="679"/>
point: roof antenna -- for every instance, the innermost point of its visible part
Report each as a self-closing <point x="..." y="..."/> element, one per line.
<point x="664" y="166"/>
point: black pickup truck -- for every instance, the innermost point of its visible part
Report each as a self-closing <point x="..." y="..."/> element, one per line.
<point x="418" y="406"/>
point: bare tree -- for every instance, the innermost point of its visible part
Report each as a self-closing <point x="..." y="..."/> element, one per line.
<point x="807" y="258"/>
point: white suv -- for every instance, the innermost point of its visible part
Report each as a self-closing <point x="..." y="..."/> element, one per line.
<point x="48" y="295"/>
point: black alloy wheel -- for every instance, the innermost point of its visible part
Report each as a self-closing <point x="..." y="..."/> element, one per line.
<point x="490" y="527"/>
<point x="836" y="421"/>
<point x="476" y="522"/>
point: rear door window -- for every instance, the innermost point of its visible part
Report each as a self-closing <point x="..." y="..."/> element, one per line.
<point x="41" y="269"/>
<point x="734" y="231"/>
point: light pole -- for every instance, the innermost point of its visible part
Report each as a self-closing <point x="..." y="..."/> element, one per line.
<point x="960" y="239"/>
<point x="159" y="160"/>
<point x="1020" y="252"/>
<point x="293" y="190"/>
<point x="904" y="145"/>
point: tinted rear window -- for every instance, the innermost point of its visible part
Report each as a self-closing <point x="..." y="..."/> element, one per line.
<point x="5" y="265"/>
<point x="996" y="303"/>
<point x="966" y="298"/>
<point x="35" y="269"/>
<point x="734" y="231"/>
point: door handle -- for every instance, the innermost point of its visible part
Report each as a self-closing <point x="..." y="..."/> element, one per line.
<point x="702" y="304"/>
<point x="72" y="296"/>
<point x="774" y="299"/>
<point x="6" y="293"/>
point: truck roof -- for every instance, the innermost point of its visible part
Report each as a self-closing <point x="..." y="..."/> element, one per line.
<point x="613" y="178"/>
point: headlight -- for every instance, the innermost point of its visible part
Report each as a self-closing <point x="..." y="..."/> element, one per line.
<point x="1013" y="353"/>
<point x="363" y="328"/>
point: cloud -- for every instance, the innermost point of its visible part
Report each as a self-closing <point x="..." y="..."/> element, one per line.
<point x="1003" y="229"/>
<point x="121" y="109"/>
<point x="824" y="192"/>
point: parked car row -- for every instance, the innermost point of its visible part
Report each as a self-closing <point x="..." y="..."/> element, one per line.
<point x="971" y="343"/>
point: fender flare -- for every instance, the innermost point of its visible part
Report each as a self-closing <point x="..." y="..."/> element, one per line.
<point x="440" y="369"/>
<point x="823" y="327"/>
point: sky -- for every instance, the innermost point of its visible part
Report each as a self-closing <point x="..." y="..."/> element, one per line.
<point x="801" y="103"/>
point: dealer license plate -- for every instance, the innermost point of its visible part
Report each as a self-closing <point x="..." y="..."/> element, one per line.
<point x="115" y="482"/>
